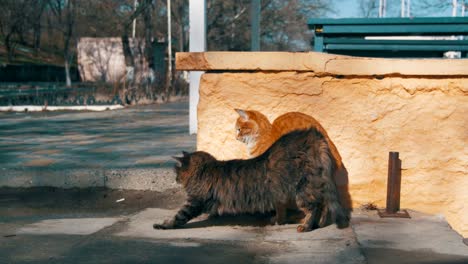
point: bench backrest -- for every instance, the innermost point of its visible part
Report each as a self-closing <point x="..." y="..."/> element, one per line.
<point x="416" y="37"/>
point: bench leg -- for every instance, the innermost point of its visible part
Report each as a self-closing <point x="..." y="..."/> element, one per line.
<point x="318" y="43"/>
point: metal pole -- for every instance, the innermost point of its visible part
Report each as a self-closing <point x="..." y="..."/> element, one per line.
<point x="403" y="8"/>
<point x="454" y="8"/>
<point x="384" y="8"/>
<point x="393" y="183"/>
<point x="393" y="188"/>
<point x="255" y="25"/>
<point x="463" y="8"/>
<point x="408" y="8"/>
<point x="169" y="45"/>
<point x="380" y="7"/>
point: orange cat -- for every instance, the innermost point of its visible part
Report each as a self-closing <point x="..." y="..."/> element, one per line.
<point x="254" y="129"/>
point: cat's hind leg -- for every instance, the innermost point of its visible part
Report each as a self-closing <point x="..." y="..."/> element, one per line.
<point x="280" y="216"/>
<point x="311" y="219"/>
<point x="310" y="201"/>
<point x="190" y="210"/>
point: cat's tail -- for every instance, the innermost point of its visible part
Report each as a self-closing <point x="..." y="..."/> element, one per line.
<point x="332" y="211"/>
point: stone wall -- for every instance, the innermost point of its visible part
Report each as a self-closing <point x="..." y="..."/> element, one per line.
<point x="422" y="116"/>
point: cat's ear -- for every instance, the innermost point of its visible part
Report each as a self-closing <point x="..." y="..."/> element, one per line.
<point x="185" y="153"/>
<point x="242" y="114"/>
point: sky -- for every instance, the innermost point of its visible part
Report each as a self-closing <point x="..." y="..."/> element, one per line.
<point x="347" y="8"/>
<point x="350" y="8"/>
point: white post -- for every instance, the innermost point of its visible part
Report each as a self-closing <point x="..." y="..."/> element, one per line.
<point x="134" y="20"/>
<point x="197" y="20"/>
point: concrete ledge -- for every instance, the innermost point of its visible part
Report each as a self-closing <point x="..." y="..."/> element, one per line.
<point x="320" y="63"/>
<point x="154" y="179"/>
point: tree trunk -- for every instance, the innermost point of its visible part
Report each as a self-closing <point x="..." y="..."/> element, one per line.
<point x="22" y="40"/>
<point x="127" y="51"/>
<point x="49" y="30"/>
<point x="37" y="26"/>
<point x="67" y="39"/>
<point x="147" y="18"/>
<point x="37" y="37"/>
<point x="9" y="48"/>
<point x="67" y="73"/>
<point x="181" y="37"/>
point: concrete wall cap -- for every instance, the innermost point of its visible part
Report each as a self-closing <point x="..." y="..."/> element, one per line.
<point x="320" y="63"/>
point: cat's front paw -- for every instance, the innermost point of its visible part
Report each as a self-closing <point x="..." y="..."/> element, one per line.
<point x="159" y="226"/>
<point x="302" y="228"/>
<point x="164" y="226"/>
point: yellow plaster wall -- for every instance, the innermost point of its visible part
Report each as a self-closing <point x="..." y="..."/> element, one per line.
<point x="423" y="118"/>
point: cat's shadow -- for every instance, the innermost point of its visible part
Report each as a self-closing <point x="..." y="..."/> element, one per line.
<point x="254" y="220"/>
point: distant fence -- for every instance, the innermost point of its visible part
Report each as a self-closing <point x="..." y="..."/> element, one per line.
<point x="36" y="73"/>
<point x="53" y="94"/>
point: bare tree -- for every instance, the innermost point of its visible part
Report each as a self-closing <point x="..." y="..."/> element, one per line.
<point x="35" y="20"/>
<point x="126" y="23"/>
<point x="369" y="8"/>
<point x="180" y="20"/>
<point x="61" y="22"/>
<point x="101" y="18"/>
<point x="65" y="13"/>
<point x="288" y="31"/>
<point x="283" y="25"/>
<point x="435" y="7"/>
<point x="12" y="24"/>
<point x="227" y="22"/>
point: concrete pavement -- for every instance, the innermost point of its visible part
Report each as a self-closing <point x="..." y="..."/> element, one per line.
<point x="123" y="233"/>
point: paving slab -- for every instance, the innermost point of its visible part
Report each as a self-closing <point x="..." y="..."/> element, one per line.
<point x="421" y="239"/>
<point x="141" y="225"/>
<point x="68" y="226"/>
<point x="284" y="243"/>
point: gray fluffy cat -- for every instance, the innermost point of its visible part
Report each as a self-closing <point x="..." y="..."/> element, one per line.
<point x="297" y="169"/>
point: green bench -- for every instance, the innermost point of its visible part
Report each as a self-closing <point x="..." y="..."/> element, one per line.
<point x="391" y="37"/>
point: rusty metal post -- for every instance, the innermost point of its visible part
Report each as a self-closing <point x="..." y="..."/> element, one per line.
<point x="393" y="188"/>
<point x="393" y="183"/>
